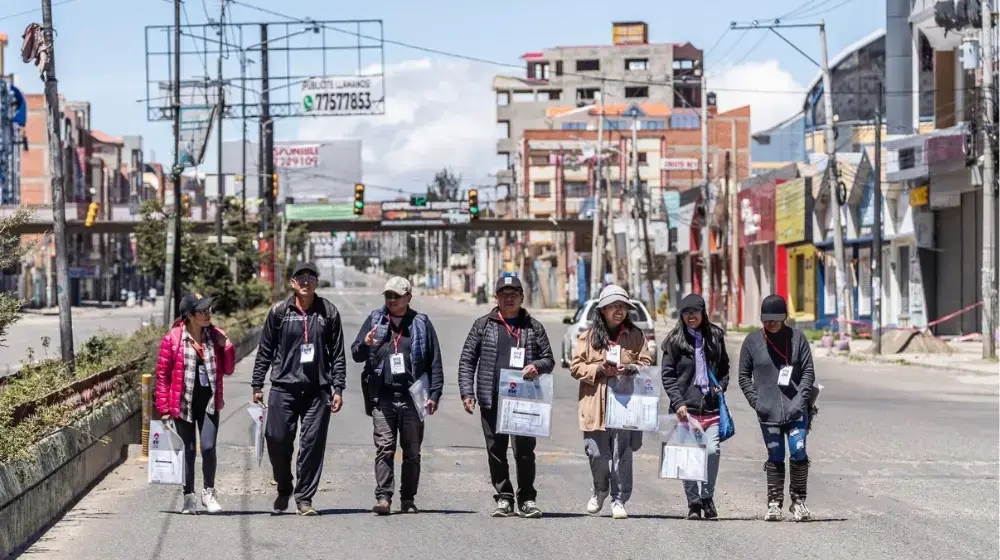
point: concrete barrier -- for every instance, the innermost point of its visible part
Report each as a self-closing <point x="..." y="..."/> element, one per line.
<point x="69" y="462"/>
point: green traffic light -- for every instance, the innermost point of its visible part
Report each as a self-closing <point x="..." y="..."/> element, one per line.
<point x="474" y="210"/>
<point x="359" y="204"/>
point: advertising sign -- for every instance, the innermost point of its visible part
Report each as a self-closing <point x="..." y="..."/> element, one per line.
<point x="343" y="96"/>
<point x="678" y="164"/>
<point x="790" y="212"/>
<point x="296" y="156"/>
<point x="437" y="213"/>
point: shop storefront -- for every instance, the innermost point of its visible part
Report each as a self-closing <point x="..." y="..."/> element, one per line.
<point x="755" y="207"/>
<point x="795" y="259"/>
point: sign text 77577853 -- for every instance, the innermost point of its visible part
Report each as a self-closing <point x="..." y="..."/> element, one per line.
<point x="343" y="95"/>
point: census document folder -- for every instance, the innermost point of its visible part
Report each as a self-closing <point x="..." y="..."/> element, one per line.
<point x="166" y="454"/>
<point x="525" y="405"/>
<point x="420" y="391"/>
<point x="684" y="451"/>
<point x="259" y="415"/>
<point x="633" y="401"/>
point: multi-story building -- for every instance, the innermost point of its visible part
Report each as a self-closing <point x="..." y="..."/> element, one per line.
<point x="630" y="70"/>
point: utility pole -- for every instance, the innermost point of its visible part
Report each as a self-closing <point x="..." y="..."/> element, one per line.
<point x="989" y="190"/>
<point x="833" y="179"/>
<point x="706" y="249"/>
<point x="876" y="279"/>
<point x="640" y="197"/>
<point x="726" y="241"/>
<point x="732" y="237"/>
<point x="172" y="288"/>
<point x="597" y="248"/>
<point x="54" y="123"/>
<point x="243" y="108"/>
<point x="221" y="107"/>
<point x="267" y="219"/>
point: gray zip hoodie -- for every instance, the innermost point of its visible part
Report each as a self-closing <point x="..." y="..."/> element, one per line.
<point x="775" y="405"/>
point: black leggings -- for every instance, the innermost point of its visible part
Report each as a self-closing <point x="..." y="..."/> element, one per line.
<point x="208" y="426"/>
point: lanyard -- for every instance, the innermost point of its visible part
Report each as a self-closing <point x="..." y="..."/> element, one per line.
<point x="399" y="336"/>
<point x="199" y="348"/>
<point x="305" y="322"/>
<point x="619" y="337"/>
<point x="788" y="348"/>
<point x="515" y="335"/>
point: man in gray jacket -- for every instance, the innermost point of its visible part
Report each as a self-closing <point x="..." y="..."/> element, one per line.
<point x="777" y="376"/>
<point x="506" y="338"/>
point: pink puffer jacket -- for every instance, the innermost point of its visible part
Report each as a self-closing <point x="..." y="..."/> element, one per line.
<point x="170" y="369"/>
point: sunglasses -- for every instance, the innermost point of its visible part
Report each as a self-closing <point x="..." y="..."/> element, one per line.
<point x="305" y="279"/>
<point x="392" y="296"/>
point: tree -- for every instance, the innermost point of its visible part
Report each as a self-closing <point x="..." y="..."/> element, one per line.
<point x="445" y="186"/>
<point x="11" y="251"/>
<point x="401" y="266"/>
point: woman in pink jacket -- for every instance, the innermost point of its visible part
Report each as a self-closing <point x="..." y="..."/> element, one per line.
<point x="194" y="356"/>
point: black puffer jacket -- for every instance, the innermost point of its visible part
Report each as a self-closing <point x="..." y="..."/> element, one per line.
<point x="477" y="366"/>
<point x="678" y="371"/>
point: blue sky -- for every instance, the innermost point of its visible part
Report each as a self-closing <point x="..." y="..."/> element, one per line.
<point x="432" y="100"/>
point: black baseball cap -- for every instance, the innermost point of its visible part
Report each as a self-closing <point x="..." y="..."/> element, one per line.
<point x="773" y="308"/>
<point x="305" y="267"/>
<point x="192" y="302"/>
<point x="508" y="282"/>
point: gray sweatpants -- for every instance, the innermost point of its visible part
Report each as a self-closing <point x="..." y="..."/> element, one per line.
<point x="610" y="454"/>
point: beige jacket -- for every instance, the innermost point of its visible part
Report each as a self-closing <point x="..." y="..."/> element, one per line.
<point x="587" y="368"/>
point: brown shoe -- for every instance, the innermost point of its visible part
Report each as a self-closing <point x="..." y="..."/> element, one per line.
<point x="381" y="507"/>
<point x="408" y="507"/>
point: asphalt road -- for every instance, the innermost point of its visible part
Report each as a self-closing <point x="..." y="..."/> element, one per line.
<point x="904" y="466"/>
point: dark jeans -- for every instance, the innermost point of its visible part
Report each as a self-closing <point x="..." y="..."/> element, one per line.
<point x="395" y="418"/>
<point x="774" y="440"/>
<point x="524" y="459"/>
<point x="287" y="410"/>
<point x="208" y="426"/>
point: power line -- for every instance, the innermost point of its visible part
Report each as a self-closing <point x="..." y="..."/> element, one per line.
<point x="26" y="12"/>
<point x="822" y="11"/>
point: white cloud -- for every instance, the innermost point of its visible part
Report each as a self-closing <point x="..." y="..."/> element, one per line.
<point x="755" y="84"/>
<point x="439" y="113"/>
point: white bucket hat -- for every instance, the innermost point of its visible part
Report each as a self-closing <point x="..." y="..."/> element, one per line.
<point x="613" y="293"/>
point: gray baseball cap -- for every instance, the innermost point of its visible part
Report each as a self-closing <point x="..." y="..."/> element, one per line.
<point x="399" y="286"/>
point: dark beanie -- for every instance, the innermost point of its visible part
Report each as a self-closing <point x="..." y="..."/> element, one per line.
<point x="692" y="303"/>
<point x="773" y="308"/>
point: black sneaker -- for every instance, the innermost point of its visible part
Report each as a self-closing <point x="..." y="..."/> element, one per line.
<point x="504" y="508"/>
<point x="694" y="511"/>
<point x="408" y="507"/>
<point x="529" y="510"/>
<point x="307" y="509"/>
<point x="709" y="508"/>
<point x="281" y="504"/>
<point x="381" y="507"/>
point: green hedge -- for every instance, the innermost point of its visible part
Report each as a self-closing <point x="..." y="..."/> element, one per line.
<point x="98" y="354"/>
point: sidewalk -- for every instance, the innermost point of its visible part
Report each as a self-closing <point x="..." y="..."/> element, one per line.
<point x="966" y="357"/>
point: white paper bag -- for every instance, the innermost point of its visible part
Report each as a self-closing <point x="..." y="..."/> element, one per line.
<point x="525" y="406"/>
<point x="683" y="453"/>
<point x="259" y="415"/>
<point x="166" y="454"/>
<point x="420" y="390"/>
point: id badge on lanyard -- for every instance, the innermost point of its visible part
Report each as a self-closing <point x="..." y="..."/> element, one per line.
<point x="396" y="363"/>
<point x="307" y="352"/>
<point x="614" y="354"/>
<point x="203" y="375"/>
<point x="517" y="358"/>
<point x="784" y="376"/>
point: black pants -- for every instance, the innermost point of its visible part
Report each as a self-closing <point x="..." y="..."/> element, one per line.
<point x="207" y="425"/>
<point x="524" y="459"/>
<point x="394" y="418"/>
<point x="286" y="409"/>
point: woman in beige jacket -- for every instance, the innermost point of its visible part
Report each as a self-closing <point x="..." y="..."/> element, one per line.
<point x="613" y="346"/>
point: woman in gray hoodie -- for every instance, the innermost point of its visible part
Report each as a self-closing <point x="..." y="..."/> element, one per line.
<point x="777" y="376"/>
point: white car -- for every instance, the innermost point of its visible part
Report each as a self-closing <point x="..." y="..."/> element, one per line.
<point x="584" y="316"/>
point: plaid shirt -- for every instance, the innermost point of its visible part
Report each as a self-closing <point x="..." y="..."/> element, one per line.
<point x="191" y="372"/>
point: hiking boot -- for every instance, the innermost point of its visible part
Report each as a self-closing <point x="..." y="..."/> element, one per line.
<point x="618" y="511"/>
<point x="408" y="507"/>
<point x="694" y="511"/>
<point x="208" y="500"/>
<point x="708" y="506"/>
<point x="799" y="511"/>
<point x="596" y="503"/>
<point x="529" y="510"/>
<point x="773" y="512"/>
<point x="307" y="509"/>
<point x="281" y="504"/>
<point x="381" y="507"/>
<point x="190" y="505"/>
<point x="504" y="508"/>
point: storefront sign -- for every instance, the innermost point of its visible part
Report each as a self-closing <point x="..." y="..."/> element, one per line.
<point x="791" y="216"/>
<point x="920" y="196"/>
<point x="756" y="214"/>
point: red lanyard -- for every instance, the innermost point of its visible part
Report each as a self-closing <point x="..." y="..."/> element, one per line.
<point x="515" y="335"/>
<point x="788" y="348"/>
<point x="199" y="348"/>
<point x="399" y="336"/>
<point x="305" y="322"/>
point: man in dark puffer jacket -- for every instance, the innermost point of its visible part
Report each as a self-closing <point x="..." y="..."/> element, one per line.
<point x="507" y="337"/>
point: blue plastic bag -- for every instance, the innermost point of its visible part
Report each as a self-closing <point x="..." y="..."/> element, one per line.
<point x="726" y="426"/>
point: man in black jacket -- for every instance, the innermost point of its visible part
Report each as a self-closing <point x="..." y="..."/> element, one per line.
<point x="302" y="343"/>
<point x="506" y="338"/>
<point x="399" y="348"/>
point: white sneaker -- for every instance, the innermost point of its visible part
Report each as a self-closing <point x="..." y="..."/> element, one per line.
<point x="190" y="504"/>
<point x="208" y="500"/>
<point x="800" y="511"/>
<point x="618" y="511"/>
<point x="773" y="512"/>
<point x="596" y="503"/>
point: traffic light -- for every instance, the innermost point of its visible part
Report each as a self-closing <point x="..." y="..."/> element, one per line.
<point x="92" y="214"/>
<point x="359" y="199"/>
<point x="274" y="190"/>
<point x="419" y="201"/>
<point x="473" y="204"/>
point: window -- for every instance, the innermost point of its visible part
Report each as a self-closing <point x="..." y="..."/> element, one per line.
<point x="543" y="189"/>
<point x="503" y="129"/>
<point x="687" y="96"/>
<point x="616" y="125"/>
<point x="559" y="68"/>
<point x="652" y="125"/>
<point x="538" y="70"/>
<point x="524" y="96"/>
<point x="574" y="126"/>
<point x="586" y="93"/>
<point x="684" y="122"/>
<point x="503" y="98"/>
<point x="800" y="288"/>
<point x="549" y="95"/>
<point x="539" y="159"/>
<point x="637" y="92"/>
<point x="576" y="189"/>
<point x="642" y="158"/>
<point x="907" y="158"/>
<point x="684" y="68"/>
<point x="588" y="65"/>
<point x="637" y="64"/>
